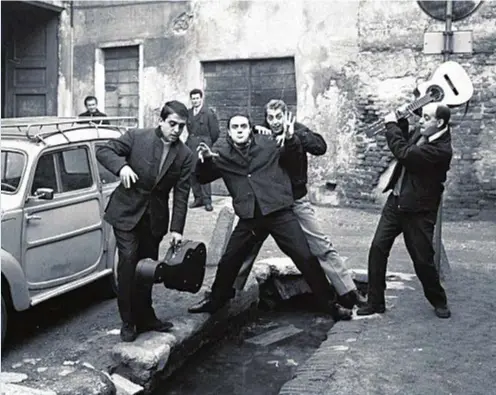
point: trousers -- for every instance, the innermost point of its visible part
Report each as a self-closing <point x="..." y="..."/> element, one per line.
<point x="320" y="246"/>
<point x="133" y="299"/>
<point x="418" y="231"/>
<point x="283" y="226"/>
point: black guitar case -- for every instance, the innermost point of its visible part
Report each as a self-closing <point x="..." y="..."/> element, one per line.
<point x="182" y="269"/>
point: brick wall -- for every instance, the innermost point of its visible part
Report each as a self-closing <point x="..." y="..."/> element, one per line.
<point x="383" y="77"/>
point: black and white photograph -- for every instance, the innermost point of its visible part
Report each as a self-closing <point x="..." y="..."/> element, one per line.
<point x="248" y="197"/>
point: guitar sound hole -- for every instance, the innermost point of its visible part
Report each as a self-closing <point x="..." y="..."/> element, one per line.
<point x="436" y="92"/>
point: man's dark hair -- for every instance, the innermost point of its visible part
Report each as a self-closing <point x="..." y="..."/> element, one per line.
<point x="196" y="91"/>
<point x="239" y="115"/>
<point x="89" y="98"/>
<point x="173" y="107"/>
<point x="443" y="112"/>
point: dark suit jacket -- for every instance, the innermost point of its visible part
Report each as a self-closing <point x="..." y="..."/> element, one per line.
<point x="253" y="178"/>
<point x="312" y="143"/>
<point x="142" y="149"/>
<point x="96" y="114"/>
<point x="202" y="128"/>
<point x="425" y="166"/>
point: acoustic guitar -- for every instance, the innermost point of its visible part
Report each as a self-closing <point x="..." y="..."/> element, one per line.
<point x="449" y="84"/>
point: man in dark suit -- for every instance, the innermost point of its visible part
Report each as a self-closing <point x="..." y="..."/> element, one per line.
<point x="150" y="163"/>
<point x="252" y="169"/>
<point x="203" y="127"/>
<point x="417" y="185"/>
<point x="91" y="104"/>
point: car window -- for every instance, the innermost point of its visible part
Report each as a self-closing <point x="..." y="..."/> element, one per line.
<point x="75" y="172"/>
<point x="105" y="176"/>
<point x="45" y="176"/>
<point x="12" y="166"/>
<point x="73" y="167"/>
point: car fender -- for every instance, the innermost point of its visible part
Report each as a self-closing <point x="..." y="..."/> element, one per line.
<point x="16" y="281"/>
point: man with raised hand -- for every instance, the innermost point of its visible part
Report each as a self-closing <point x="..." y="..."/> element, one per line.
<point x="252" y="167"/>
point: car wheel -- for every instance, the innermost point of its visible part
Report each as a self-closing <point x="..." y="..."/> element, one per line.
<point x="4" y="314"/>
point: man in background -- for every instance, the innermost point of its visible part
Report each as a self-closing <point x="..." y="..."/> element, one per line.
<point x="203" y="127"/>
<point x="91" y="104"/>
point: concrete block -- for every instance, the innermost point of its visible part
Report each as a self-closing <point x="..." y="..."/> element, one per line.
<point x="14" y="389"/>
<point x="220" y="235"/>
<point x="125" y="386"/>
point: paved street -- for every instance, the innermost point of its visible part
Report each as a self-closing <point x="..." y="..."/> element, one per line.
<point x="82" y="326"/>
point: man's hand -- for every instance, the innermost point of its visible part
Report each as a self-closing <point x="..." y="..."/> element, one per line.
<point x="204" y="151"/>
<point x="289" y="121"/>
<point x="263" y="130"/>
<point x="128" y="176"/>
<point x="391" y="117"/>
<point x="176" y="239"/>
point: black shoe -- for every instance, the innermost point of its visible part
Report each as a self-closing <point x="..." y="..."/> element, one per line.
<point x="353" y="298"/>
<point x="442" y="311"/>
<point x="209" y="207"/>
<point x="196" y="203"/>
<point x="340" y="313"/>
<point x="128" y="333"/>
<point x="154" y="325"/>
<point x="369" y="309"/>
<point x="206" y="305"/>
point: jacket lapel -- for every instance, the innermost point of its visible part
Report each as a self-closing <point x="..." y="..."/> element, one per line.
<point x="173" y="150"/>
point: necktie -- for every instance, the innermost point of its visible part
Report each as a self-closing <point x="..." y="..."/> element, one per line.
<point x="397" y="186"/>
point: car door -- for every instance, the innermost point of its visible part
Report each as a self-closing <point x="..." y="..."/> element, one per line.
<point x="63" y="237"/>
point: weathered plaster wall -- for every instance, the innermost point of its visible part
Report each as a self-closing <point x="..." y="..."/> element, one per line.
<point x="354" y="60"/>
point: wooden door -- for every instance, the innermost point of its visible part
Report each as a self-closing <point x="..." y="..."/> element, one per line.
<point x="29" y="38"/>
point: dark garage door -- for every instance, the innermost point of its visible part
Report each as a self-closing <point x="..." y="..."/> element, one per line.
<point x="247" y="85"/>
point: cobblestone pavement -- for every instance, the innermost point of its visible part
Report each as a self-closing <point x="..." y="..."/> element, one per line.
<point x="457" y="354"/>
<point x="408" y="350"/>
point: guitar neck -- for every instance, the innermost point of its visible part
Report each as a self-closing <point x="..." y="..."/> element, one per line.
<point x="378" y="126"/>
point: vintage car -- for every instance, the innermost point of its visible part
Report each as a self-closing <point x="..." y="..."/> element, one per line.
<point x="53" y="197"/>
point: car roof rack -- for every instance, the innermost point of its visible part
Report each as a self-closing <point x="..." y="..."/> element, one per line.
<point x="24" y="127"/>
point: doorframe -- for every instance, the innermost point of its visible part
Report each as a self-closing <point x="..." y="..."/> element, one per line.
<point x="99" y="76"/>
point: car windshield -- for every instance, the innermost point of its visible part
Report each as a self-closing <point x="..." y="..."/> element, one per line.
<point x="12" y="167"/>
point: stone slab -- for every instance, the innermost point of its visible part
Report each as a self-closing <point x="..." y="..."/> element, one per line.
<point x="220" y="235"/>
<point x="274" y="336"/>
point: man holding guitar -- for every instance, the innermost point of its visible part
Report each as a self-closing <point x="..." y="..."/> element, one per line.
<point x="417" y="185"/>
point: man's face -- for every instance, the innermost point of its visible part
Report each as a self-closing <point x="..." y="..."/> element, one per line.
<point x="172" y="127"/>
<point x="196" y="100"/>
<point x="275" y="120"/>
<point x="428" y="122"/>
<point x="91" y="105"/>
<point x="239" y="129"/>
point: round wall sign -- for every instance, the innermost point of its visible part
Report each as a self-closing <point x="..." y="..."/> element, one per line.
<point x="437" y="9"/>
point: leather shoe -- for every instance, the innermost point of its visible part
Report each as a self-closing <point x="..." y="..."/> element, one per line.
<point x="340" y="313"/>
<point x="353" y="298"/>
<point x="154" y="325"/>
<point x="370" y="309"/>
<point x="442" y="311"/>
<point x="209" y="207"/>
<point x="206" y="305"/>
<point x="195" y="204"/>
<point x="128" y="333"/>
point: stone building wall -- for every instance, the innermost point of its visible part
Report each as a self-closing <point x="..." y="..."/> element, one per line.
<point x="354" y="61"/>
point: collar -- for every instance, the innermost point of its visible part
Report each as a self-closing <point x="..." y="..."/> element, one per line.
<point x="158" y="133"/>
<point x="436" y="135"/>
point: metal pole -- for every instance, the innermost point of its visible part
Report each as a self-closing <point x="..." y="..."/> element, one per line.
<point x="440" y="258"/>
